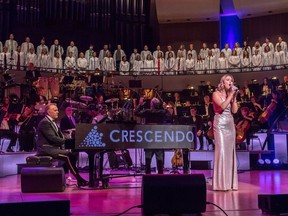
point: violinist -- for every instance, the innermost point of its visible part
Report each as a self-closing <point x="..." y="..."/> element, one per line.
<point x="27" y="122"/>
<point x="256" y="107"/>
<point x="275" y="109"/>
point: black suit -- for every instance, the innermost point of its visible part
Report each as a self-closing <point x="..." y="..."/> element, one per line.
<point x="49" y="142"/>
<point x="31" y="77"/>
<point x="66" y="123"/>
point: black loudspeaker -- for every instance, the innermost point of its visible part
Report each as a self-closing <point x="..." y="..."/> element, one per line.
<point x="273" y="203"/>
<point x="173" y="194"/>
<point x="43" y="208"/>
<point x="42" y="179"/>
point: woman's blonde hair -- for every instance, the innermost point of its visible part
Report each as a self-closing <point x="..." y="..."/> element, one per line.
<point x="220" y="86"/>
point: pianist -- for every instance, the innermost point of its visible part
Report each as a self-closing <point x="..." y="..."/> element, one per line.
<point x="154" y="115"/>
<point x="50" y="140"/>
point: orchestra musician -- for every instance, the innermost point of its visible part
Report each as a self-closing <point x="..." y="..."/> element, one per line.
<point x="208" y="113"/>
<point x="198" y="122"/>
<point x="68" y="123"/>
<point x="154" y="115"/>
<point x="26" y="131"/>
<point x="5" y="130"/>
<point x="50" y="141"/>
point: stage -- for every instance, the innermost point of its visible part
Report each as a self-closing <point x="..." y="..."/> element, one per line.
<point x="124" y="193"/>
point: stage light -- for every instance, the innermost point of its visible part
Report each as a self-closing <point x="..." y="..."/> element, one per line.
<point x="267" y="161"/>
<point x="261" y="162"/>
<point x="276" y="161"/>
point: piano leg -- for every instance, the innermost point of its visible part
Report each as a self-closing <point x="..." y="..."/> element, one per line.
<point x="93" y="183"/>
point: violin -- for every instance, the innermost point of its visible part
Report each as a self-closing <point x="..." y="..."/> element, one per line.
<point x="210" y="133"/>
<point x="241" y="131"/>
<point x="177" y="159"/>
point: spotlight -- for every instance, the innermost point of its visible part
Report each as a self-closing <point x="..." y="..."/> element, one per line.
<point x="261" y="162"/>
<point x="268" y="161"/>
<point x="276" y="161"/>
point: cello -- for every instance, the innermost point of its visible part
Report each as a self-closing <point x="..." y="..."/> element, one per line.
<point x="268" y="112"/>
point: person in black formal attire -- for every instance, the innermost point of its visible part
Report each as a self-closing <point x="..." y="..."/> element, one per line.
<point x="155" y="115"/>
<point x="5" y="130"/>
<point x="68" y="122"/>
<point x="50" y="141"/>
<point x="32" y="74"/>
<point x="207" y="113"/>
<point x="198" y="122"/>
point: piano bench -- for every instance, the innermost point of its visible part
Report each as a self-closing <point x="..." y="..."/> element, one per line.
<point x="42" y="179"/>
<point x="39" y="161"/>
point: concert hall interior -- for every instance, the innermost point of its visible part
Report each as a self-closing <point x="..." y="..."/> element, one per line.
<point x="143" y="107"/>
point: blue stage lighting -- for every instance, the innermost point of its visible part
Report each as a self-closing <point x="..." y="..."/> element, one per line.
<point x="268" y="161"/>
<point x="261" y="162"/>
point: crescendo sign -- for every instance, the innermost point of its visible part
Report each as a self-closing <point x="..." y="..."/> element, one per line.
<point x="118" y="136"/>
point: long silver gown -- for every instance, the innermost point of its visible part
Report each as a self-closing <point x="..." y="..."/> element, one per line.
<point x="225" y="161"/>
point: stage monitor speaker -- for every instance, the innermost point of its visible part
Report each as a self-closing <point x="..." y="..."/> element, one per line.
<point x="273" y="203"/>
<point x="173" y="194"/>
<point x="43" y="208"/>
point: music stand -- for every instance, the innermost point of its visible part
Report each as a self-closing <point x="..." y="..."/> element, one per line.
<point x="135" y="83"/>
<point x="68" y="80"/>
<point x="96" y="79"/>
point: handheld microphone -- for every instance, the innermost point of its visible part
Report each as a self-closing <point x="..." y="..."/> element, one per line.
<point x="234" y="88"/>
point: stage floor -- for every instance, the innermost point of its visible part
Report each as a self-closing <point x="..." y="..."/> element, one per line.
<point x="125" y="192"/>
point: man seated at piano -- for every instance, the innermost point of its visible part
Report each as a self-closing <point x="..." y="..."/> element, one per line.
<point x="50" y="142"/>
<point x="155" y="115"/>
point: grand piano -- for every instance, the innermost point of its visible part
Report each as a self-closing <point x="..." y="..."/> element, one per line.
<point x="104" y="137"/>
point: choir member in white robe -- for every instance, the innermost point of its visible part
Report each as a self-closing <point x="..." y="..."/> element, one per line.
<point x="82" y="63"/>
<point x="89" y="52"/>
<point x="118" y="55"/>
<point x="137" y="66"/>
<point x="41" y="46"/>
<point x="108" y="63"/>
<point x="267" y="58"/>
<point x="279" y="58"/>
<point x="204" y="51"/>
<point x="268" y="43"/>
<point x="238" y="48"/>
<point x="124" y="66"/>
<point x="94" y="63"/>
<point x="70" y="62"/>
<point x="56" y="47"/>
<point x="247" y="48"/>
<point x="169" y="49"/>
<point x="44" y="60"/>
<point x="234" y="62"/>
<point x="200" y="65"/>
<point x="103" y="53"/>
<point x="158" y="50"/>
<point x="5" y="59"/>
<point x="256" y="61"/>
<point x="1" y="47"/>
<point x="190" y="64"/>
<point x="25" y="47"/>
<point x="73" y="49"/>
<point x="192" y="51"/>
<point x="159" y="63"/>
<point x="258" y="47"/>
<point x="227" y="51"/>
<point x="18" y="59"/>
<point x="31" y="57"/>
<point x="170" y="64"/>
<point x="283" y="45"/>
<point x="245" y="61"/>
<point x="216" y="52"/>
<point x="180" y="63"/>
<point x="133" y="57"/>
<point x="222" y="64"/>
<point x="11" y="44"/>
<point x="145" y="52"/>
<point x="57" y="63"/>
<point x="210" y="63"/>
<point x="149" y="64"/>
<point x="182" y="51"/>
